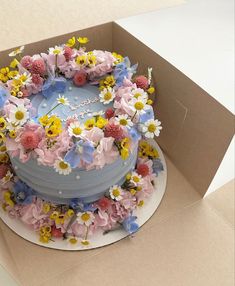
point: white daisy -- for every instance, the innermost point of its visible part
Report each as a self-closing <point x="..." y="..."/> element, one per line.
<point x="124" y="120"/>
<point x="56" y="50"/>
<point x="16" y="52"/>
<point x="75" y="129"/>
<point x="139" y="105"/>
<point x="85" y="243"/>
<point x="107" y="95"/>
<point x="62" y="167"/>
<point x="62" y="100"/>
<point x="135" y="178"/>
<point x="151" y="128"/>
<point x="86" y="218"/>
<point x="72" y="240"/>
<point x="98" y="113"/>
<point x="6" y="178"/>
<point x="25" y="78"/>
<point x="139" y="93"/>
<point x="116" y="192"/>
<point x="18" y="115"/>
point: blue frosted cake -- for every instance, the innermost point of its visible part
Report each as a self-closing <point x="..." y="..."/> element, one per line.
<point x="73" y="159"/>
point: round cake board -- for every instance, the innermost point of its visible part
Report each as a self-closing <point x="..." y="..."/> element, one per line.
<point x="98" y="239"/>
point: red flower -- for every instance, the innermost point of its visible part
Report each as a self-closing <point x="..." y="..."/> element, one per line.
<point x="68" y="53"/>
<point x="3" y="170"/>
<point x="29" y="140"/>
<point x="56" y="232"/>
<point x="104" y="203"/>
<point x="80" y="78"/>
<point x="37" y="79"/>
<point x="109" y="113"/>
<point x="142" y="82"/>
<point x="38" y="66"/>
<point x="114" y="130"/>
<point x="26" y="62"/>
<point x="143" y="170"/>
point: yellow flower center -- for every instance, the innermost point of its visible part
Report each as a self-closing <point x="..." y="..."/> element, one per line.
<point x="63" y="165"/>
<point x="77" y="130"/>
<point x="73" y="240"/>
<point x="19" y="115"/>
<point x="56" y="52"/>
<point x="139" y="105"/>
<point x="85" y="217"/>
<point x="151" y="127"/>
<point x="108" y="95"/>
<point x="116" y="193"/>
<point x="123" y="121"/>
<point x="85" y="242"/>
<point x="136" y="179"/>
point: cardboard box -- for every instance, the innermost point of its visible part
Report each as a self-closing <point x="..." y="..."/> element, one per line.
<point x="197" y="131"/>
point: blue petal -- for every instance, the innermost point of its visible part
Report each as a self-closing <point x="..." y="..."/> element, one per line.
<point x="157" y="166"/>
<point x="60" y="84"/>
<point x="73" y="158"/>
<point x="135" y="135"/>
<point x="47" y="88"/>
<point x="147" y="115"/>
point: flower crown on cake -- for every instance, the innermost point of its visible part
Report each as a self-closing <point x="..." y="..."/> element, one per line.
<point x="92" y="144"/>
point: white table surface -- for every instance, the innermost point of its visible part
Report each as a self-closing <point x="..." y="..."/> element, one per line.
<point x="198" y="38"/>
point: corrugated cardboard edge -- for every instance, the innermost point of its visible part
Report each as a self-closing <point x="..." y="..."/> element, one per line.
<point x="197" y="129"/>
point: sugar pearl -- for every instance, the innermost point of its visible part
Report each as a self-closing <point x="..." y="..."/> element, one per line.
<point x="75" y="98"/>
<point x="77" y="177"/>
<point x="70" y="88"/>
<point x="44" y="105"/>
<point x="60" y="192"/>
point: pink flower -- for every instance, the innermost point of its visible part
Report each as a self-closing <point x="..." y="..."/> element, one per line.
<point x="142" y="82"/>
<point x="94" y="135"/>
<point x="37" y="79"/>
<point x="80" y="78"/>
<point x="109" y="113"/>
<point x="38" y="67"/>
<point x="29" y="140"/>
<point x="68" y="53"/>
<point x="3" y="170"/>
<point x="26" y="62"/>
<point x="142" y="169"/>
<point x="25" y="92"/>
<point x="114" y="130"/>
<point x="56" y="232"/>
<point x="103" y="203"/>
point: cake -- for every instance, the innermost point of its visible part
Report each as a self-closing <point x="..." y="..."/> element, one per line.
<point x="73" y="154"/>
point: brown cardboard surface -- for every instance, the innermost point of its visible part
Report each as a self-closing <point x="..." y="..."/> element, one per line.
<point x="29" y="21"/>
<point x="197" y="129"/>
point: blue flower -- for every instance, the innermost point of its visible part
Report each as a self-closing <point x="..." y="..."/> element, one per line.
<point x="79" y="205"/>
<point x="135" y="135"/>
<point x="130" y="225"/>
<point x="4" y="94"/>
<point x="147" y="115"/>
<point x="123" y="70"/>
<point x="157" y="166"/>
<point x="82" y="150"/>
<point x="53" y="84"/>
<point x="23" y="193"/>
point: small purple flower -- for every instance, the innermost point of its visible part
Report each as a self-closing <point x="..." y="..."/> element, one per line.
<point x="124" y="70"/>
<point x="79" y="205"/>
<point x="157" y="166"/>
<point x="23" y="193"/>
<point x="81" y="151"/>
<point x="130" y="225"/>
<point x="135" y="135"/>
<point x="53" y="84"/>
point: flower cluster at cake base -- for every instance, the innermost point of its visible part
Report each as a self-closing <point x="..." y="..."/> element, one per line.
<point x="78" y="221"/>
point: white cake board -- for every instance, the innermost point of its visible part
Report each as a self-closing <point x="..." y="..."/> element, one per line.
<point x="98" y="239"/>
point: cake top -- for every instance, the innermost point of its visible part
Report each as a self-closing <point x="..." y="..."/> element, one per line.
<point x="71" y="108"/>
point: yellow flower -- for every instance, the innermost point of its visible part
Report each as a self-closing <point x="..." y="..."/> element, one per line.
<point x="70" y="213"/>
<point x="12" y="74"/>
<point x="73" y="240"/>
<point x="149" y="101"/>
<point x="151" y="90"/>
<point x="55" y="121"/>
<point x="44" y="238"/>
<point x="46" y="208"/>
<point x="90" y="123"/>
<point x="124" y="153"/>
<point x="109" y="81"/>
<point x="45" y="234"/>
<point x="83" y="40"/>
<point x="133" y="192"/>
<point x="60" y="219"/>
<point x="2" y="137"/>
<point x="14" y="63"/>
<point x="91" y="59"/>
<point x="4" y="158"/>
<point x="53" y="131"/>
<point x="128" y="176"/>
<point x="118" y="58"/>
<point x="4" y="74"/>
<point x="3" y="123"/>
<point x="101" y="122"/>
<point x="54" y="215"/>
<point x="141" y="203"/>
<point x="17" y="83"/>
<point x="3" y="148"/>
<point x="12" y="134"/>
<point x="125" y="143"/>
<point x="44" y="120"/>
<point x="7" y="198"/>
<point x="81" y="60"/>
<point x="71" y="42"/>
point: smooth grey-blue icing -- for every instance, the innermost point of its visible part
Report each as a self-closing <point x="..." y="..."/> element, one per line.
<point x="92" y="184"/>
<point x="80" y="97"/>
<point x="58" y="188"/>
